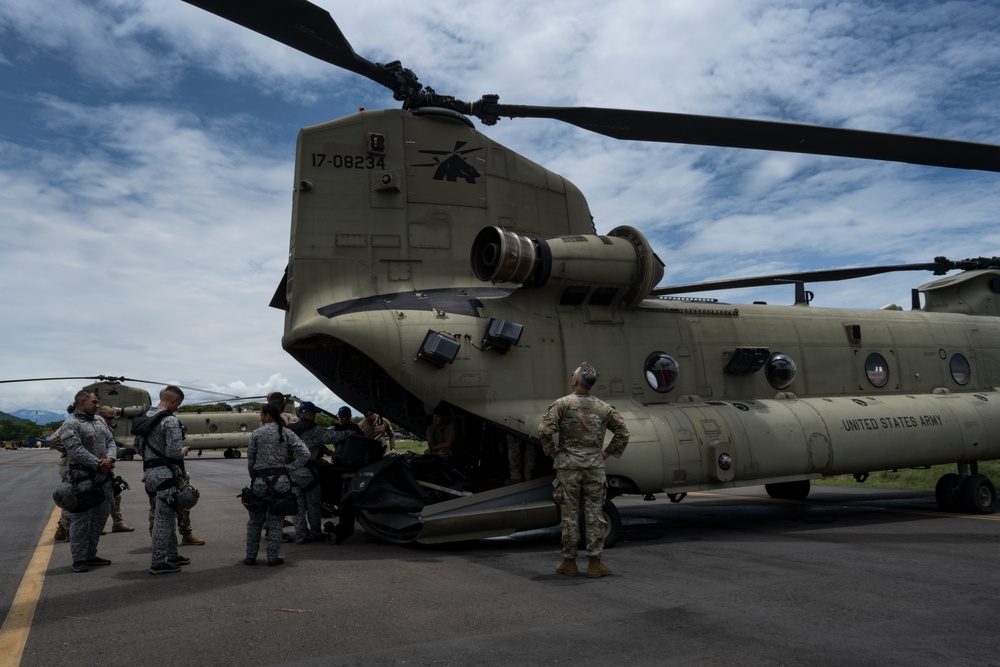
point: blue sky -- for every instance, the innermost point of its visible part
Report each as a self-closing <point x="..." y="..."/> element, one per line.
<point x="147" y="147"/>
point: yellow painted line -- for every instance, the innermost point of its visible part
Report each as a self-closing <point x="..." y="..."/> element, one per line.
<point x="939" y="515"/>
<point x="14" y="632"/>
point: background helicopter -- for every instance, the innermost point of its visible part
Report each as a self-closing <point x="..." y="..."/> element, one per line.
<point x="203" y="430"/>
<point x="393" y="209"/>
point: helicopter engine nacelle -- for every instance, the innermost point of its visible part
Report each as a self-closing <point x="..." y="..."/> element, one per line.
<point x="607" y="270"/>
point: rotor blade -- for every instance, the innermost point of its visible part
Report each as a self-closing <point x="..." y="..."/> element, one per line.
<point x="302" y="26"/>
<point x="804" y="277"/>
<point x="758" y="134"/>
<point x="75" y="377"/>
<point x="109" y="378"/>
<point x="163" y="384"/>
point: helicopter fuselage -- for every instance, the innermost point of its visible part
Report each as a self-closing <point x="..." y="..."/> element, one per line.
<point x="430" y="265"/>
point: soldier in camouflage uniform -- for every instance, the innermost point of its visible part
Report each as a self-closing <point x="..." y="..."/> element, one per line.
<point x="163" y="465"/>
<point x="118" y="525"/>
<point x="90" y="453"/>
<point x="273" y="454"/>
<point x="307" y="522"/>
<point x="183" y="513"/>
<point x="184" y="516"/>
<point x="62" y="528"/>
<point x="520" y="459"/>
<point x="376" y="428"/>
<point x="581" y="420"/>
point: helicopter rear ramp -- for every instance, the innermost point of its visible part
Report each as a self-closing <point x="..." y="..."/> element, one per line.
<point x="494" y="513"/>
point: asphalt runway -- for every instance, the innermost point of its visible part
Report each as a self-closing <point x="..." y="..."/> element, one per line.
<point x="852" y="576"/>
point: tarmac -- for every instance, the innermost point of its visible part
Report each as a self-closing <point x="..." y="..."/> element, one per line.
<point x="851" y="576"/>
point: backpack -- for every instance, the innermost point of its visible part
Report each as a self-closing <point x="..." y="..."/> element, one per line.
<point x="142" y="427"/>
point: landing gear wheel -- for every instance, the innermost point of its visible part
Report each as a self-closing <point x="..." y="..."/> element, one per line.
<point x="613" y="520"/>
<point x="946" y="492"/>
<point x="977" y="495"/>
<point x="228" y="454"/>
<point x="798" y="490"/>
<point x="237" y="454"/>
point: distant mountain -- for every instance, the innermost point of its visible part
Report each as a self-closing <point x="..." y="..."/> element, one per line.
<point x="8" y="417"/>
<point x="39" y="416"/>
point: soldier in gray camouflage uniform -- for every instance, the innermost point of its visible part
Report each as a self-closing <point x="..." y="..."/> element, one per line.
<point x="118" y="525"/>
<point x="183" y="513"/>
<point x="62" y="529"/>
<point x="581" y="420"/>
<point x="274" y="453"/>
<point x="308" y="520"/>
<point x="90" y="453"/>
<point x="163" y="465"/>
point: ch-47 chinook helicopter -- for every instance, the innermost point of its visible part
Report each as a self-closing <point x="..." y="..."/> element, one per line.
<point x="228" y="431"/>
<point x="430" y="266"/>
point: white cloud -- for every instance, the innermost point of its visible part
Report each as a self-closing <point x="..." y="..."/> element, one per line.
<point x="147" y="156"/>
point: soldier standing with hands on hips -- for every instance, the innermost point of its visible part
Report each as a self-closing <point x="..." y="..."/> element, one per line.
<point x="581" y="420"/>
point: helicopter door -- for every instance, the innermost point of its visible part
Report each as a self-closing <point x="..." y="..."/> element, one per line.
<point x="987" y="364"/>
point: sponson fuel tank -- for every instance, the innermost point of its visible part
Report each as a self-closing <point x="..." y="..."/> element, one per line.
<point x="712" y="444"/>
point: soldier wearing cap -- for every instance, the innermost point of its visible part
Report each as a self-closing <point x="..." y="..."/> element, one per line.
<point x="345" y="527"/>
<point x="306" y="483"/>
<point x="118" y="525"/>
<point x="344" y="422"/>
<point x="581" y="420"/>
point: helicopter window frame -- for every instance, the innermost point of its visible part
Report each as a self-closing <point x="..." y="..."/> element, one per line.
<point x="877" y="370"/>
<point x="654" y="374"/>
<point x="961" y="371"/>
<point x="772" y="372"/>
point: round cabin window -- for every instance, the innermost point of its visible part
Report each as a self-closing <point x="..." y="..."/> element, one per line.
<point x="661" y="372"/>
<point x="780" y="370"/>
<point x="961" y="372"/>
<point x="877" y="369"/>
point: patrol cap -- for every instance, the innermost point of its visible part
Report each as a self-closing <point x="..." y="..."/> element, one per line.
<point x="307" y="407"/>
<point x="344" y="411"/>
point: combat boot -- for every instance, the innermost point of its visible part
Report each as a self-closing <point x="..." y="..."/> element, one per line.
<point x="567" y="566"/>
<point x="121" y="528"/>
<point x="61" y="533"/>
<point x="595" y="569"/>
<point x="190" y="539"/>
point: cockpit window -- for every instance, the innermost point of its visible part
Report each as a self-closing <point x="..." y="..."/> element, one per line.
<point x="661" y="372"/>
